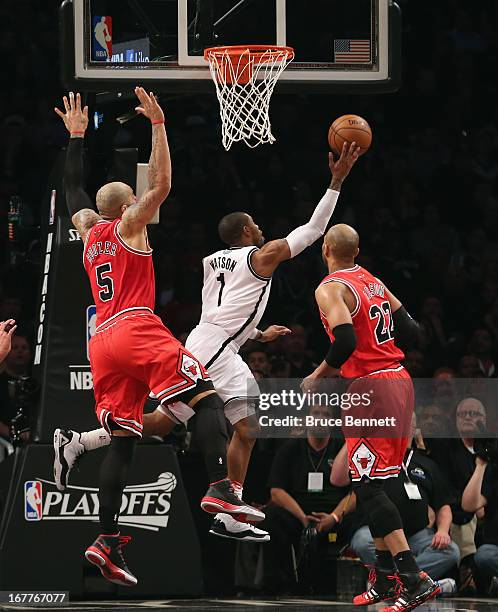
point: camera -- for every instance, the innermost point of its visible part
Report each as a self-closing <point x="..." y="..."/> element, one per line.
<point x="24" y="393"/>
<point x="487" y="449"/>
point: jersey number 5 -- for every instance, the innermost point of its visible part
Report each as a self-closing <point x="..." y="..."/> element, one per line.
<point x="384" y="330"/>
<point x="105" y="282"/>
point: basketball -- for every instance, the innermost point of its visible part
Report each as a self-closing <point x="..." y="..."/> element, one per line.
<point x="350" y="128"/>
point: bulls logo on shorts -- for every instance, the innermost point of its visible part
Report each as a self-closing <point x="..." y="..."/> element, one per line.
<point x="363" y="459"/>
<point x="190" y="368"/>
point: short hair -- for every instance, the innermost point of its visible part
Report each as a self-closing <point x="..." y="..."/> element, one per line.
<point x="231" y="226"/>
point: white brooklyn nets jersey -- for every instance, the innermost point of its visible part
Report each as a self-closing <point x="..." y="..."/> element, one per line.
<point x="234" y="297"/>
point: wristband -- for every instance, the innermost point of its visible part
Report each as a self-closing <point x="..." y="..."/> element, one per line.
<point x="255" y="334"/>
<point x="76" y="133"/>
<point x="157" y="122"/>
<point x="334" y="515"/>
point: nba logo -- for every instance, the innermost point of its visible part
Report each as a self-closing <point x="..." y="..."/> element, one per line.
<point x="101" y="39"/>
<point x="91" y="322"/>
<point x="33" y="500"/>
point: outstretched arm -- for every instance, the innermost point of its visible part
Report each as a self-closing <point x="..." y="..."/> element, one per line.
<point x="78" y="203"/>
<point x="266" y="260"/>
<point x="137" y="216"/>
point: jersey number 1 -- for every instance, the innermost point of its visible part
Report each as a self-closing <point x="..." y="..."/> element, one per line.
<point x="384" y="330"/>
<point x="221" y="280"/>
<point x="105" y="282"/>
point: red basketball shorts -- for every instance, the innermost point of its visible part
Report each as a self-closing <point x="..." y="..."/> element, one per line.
<point x="377" y="432"/>
<point x="131" y="357"/>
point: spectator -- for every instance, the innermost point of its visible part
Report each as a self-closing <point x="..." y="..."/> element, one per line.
<point x="301" y="494"/>
<point x="434" y="422"/>
<point x="296" y="352"/>
<point x="257" y="360"/>
<point x="429" y="539"/>
<point x="16" y="367"/>
<point x="468" y="367"/>
<point x="481" y="493"/>
<point x="458" y="465"/>
<point x="415" y="363"/>
<point x="481" y="346"/>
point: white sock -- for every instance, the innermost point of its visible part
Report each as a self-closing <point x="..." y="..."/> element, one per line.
<point x="237" y="488"/>
<point x="94" y="439"/>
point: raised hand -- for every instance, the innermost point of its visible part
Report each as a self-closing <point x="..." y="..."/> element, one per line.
<point x="349" y="156"/>
<point x="7" y="328"/>
<point x="75" y="118"/>
<point x="149" y="106"/>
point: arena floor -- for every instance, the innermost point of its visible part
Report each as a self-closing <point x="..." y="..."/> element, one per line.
<point x="254" y="605"/>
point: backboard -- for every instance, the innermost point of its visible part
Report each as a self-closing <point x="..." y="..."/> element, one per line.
<point x="352" y="46"/>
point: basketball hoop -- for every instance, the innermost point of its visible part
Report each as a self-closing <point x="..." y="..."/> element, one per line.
<point x="245" y="77"/>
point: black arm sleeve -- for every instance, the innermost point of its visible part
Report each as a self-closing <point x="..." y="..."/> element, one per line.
<point x="76" y="197"/>
<point x="343" y="346"/>
<point x="406" y="329"/>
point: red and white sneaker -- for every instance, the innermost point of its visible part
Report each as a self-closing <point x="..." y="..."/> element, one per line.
<point x="383" y="587"/>
<point x="415" y="589"/>
<point x="107" y="554"/>
<point x="220" y="497"/>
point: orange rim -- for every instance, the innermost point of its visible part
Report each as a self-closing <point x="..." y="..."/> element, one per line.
<point x="253" y="50"/>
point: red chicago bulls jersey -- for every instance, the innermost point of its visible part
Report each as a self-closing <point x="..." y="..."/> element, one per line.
<point x="372" y="322"/>
<point x="122" y="278"/>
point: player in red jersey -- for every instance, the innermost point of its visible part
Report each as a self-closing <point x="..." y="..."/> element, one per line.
<point x="362" y="318"/>
<point x="132" y="352"/>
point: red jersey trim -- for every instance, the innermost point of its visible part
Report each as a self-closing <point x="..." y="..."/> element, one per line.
<point x="350" y="286"/>
<point x="129" y="248"/>
<point x="146" y="308"/>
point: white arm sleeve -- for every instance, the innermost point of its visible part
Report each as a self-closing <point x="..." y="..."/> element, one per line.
<point x="305" y="235"/>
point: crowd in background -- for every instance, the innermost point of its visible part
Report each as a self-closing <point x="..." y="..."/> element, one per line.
<point x="424" y="199"/>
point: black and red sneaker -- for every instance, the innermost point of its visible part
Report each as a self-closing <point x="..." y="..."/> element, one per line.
<point x="220" y="497"/>
<point x="107" y="554"/>
<point x="383" y="587"/>
<point x="415" y="589"/>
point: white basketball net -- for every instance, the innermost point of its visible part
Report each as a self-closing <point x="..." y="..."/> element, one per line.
<point x="244" y="85"/>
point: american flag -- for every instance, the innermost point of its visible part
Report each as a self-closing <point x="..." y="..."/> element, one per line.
<point x="348" y="51"/>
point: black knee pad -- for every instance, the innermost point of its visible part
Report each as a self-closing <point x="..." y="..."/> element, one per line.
<point x="382" y="514"/>
<point x="203" y="420"/>
<point x="212" y="401"/>
<point x="201" y="387"/>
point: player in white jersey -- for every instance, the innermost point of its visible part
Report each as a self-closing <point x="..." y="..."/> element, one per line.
<point x="236" y="288"/>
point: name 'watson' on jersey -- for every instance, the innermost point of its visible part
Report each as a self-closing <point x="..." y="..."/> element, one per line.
<point x="234" y="296"/>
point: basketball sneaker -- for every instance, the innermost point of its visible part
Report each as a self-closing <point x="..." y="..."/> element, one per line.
<point x="220" y="497"/>
<point x="382" y="587"/>
<point x="67" y="448"/>
<point x="414" y="589"/>
<point x="225" y="526"/>
<point x="107" y="554"/>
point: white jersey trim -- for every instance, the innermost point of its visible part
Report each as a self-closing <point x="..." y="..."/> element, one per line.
<point x="385" y="370"/>
<point x="251" y="269"/>
<point x="147" y="253"/>
<point x="353" y="289"/>
<point x="149" y="310"/>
